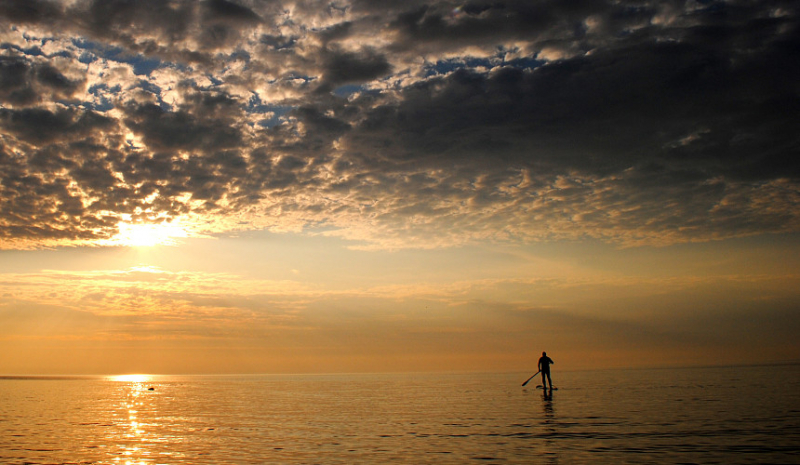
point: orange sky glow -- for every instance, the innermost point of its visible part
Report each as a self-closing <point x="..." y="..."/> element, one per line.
<point x="299" y="187"/>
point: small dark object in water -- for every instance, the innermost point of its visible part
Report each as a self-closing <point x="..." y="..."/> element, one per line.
<point x="151" y="389"/>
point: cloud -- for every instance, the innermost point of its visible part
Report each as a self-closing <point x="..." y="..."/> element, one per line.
<point x="400" y="124"/>
<point x="34" y="11"/>
<point x="655" y="317"/>
<point x="26" y="82"/>
<point x="349" y="67"/>
<point x="40" y="126"/>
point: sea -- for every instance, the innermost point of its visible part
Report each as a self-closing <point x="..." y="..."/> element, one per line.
<point x="720" y="415"/>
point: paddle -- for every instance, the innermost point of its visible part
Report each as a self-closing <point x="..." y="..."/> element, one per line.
<point x="526" y="381"/>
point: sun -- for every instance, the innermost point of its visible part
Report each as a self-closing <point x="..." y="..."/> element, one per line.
<point x="148" y="235"/>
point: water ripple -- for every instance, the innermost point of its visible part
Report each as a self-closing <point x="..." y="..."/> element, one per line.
<point x="403" y="419"/>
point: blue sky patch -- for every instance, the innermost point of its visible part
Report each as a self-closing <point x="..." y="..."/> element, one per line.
<point x="141" y="65"/>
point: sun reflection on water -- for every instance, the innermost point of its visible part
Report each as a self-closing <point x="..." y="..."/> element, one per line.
<point x="132" y="378"/>
<point x="135" y="410"/>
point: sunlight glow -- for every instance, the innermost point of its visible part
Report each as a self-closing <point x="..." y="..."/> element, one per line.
<point x="148" y="235"/>
<point x="132" y="378"/>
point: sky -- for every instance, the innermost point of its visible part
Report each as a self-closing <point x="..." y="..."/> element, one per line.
<point x="268" y="186"/>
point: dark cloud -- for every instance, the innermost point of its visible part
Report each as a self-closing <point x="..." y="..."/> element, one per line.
<point x="23" y="82"/>
<point x="123" y="19"/>
<point x="15" y="86"/>
<point x="179" y="130"/>
<point x="222" y="10"/>
<point x="398" y="121"/>
<point x="32" y="11"/>
<point x="37" y="126"/>
<point x="600" y="114"/>
<point x="347" y="67"/>
<point x="222" y="21"/>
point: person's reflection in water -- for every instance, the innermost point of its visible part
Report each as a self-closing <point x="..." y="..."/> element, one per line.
<point x="550" y="428"/>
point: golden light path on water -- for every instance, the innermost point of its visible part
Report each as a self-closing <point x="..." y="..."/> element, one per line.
<point x="135" y="438"/>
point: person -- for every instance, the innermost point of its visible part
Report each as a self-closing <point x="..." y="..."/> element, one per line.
<point x="544" y="367"/>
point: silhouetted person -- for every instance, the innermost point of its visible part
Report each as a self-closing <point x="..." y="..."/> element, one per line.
<point x="544" y="367"/>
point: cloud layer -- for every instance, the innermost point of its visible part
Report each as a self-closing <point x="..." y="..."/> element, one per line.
<point x="229" y="323"/>
<point x="400" y="124"/>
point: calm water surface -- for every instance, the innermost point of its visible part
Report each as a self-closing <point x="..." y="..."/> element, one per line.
<point x="716" y="415"/>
